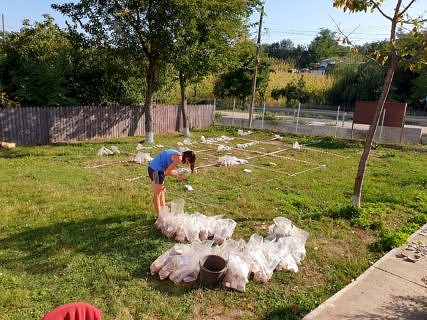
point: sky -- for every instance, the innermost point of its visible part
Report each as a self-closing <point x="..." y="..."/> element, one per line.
<point x="297" y="20"/>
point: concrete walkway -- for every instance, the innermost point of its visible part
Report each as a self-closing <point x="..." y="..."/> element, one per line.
<point x="392" y="288"/>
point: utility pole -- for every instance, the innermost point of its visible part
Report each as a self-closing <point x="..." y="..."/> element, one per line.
<point x="258" y="44"/>
<point x="4" y="32"/>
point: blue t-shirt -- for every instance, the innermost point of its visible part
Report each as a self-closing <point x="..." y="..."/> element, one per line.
<point x="163" y="160"/>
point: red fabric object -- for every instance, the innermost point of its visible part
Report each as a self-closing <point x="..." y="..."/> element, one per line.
<point x="74" y="311"/>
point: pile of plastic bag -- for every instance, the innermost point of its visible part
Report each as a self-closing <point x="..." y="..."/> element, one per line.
<point x="277" y="137"/>
<point x="222" y="147"/>
<point x="240" y="132"/>
<point x="196" y="227"/>
<point x="296" y="146"/>
<point x="247" y="144"/>
<point x="282" y="249"/>
<point x="186" y="142"/>
<point x="228" y="160"/>
<point x="103" y="151"/>
<point x="139" y="147"/>
<point x="214" y="140"/>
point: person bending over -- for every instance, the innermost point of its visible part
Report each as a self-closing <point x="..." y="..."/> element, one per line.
<point x="163" y="165"/>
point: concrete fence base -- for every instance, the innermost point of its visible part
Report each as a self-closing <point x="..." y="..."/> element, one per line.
<point x="388" y="134"/>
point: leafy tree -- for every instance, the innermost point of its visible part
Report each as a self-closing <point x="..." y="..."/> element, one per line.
<point x="105" y="76"/>
<point x="419" y="90"/>
<point x="325" y="45"/>
<point x="285" y="50"/>
<point x="237" y="82"/>
<point x="402" y="52"/>
<point x="45" y="65"/>
<point x="356" y="81"/>
<point x="204" y="41"/>
<point x="146" y="28"/>
<point x="409" y="77"/>
<point x="35" y="67"/>
<point x="293" y="92"/>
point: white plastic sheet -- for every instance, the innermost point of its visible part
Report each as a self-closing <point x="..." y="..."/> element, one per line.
<point x="215" y="140"/>
<point x="247" y="144"/>
<point x="228" y="160"/>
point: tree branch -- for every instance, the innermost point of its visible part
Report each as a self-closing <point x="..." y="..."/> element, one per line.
<point x="407" y="7"/>
<point x="376" y="5"/>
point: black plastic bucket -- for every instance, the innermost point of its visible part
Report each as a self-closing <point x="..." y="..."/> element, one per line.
<point x="212" y="270"/>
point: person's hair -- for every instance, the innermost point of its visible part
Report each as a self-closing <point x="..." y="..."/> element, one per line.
<point x="191" y="156"/>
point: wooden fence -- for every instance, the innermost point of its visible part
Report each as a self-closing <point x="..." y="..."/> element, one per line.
<point x="33" y="126"/>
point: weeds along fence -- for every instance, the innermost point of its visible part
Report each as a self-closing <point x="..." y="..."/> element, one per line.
<point x="43" y="125"/>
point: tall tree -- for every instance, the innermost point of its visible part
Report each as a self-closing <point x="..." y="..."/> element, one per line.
<point x="145" y="27"/>
<point x="237" y="81"/>
<point x="205" y="40"/>
<point x="325" y="45"/>
<point x="34" y="68"/>
<point x="398" y="52"/>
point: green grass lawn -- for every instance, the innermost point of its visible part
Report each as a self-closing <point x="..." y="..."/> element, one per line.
<point x="69" y="232"/>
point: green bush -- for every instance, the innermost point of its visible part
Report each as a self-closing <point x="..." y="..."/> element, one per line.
<point x="348" y="213"/>
<point x="391" y="239"/>
<point x="420" y="219"/>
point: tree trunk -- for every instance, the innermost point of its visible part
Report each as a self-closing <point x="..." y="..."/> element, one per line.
<point x="185" y="122"/>
<point x="357" y="193"/>
<point x="148" y="105"/>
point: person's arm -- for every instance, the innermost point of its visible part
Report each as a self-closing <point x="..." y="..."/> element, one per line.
<point x="176" y="160"/>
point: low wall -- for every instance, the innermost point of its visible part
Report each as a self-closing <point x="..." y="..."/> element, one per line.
<point x="388" y="134"/>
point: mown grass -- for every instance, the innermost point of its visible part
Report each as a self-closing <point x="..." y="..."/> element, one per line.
<point x="70" y="233"/>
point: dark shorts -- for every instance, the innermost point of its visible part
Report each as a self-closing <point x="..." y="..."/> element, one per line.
<point x="157" y="177"/>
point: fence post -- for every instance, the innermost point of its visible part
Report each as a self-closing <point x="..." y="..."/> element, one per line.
<point x="263" y="113"/>
<point x="343" y="118"/>
<point x="336" y="121"/>
<point x="382" y="125"/>
<point x="234" y="106"/>
<point x="296" y="124"/>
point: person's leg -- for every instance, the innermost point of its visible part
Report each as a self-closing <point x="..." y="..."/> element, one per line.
<point x="157" y="197"/>
<point x="157" y="178"/>
<point x="162" y="196"/>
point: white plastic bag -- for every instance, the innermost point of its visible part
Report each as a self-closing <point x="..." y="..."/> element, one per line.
<point x="103" y="151"/>
<point x="224" y="229"/>
<point x="237" y="275"/>
<point x="142" y="157"/>
<point x="115" y="149"/>
<point x="262" y="264"/>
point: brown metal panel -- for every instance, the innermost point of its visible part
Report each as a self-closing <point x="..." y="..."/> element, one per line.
<point x="394" y="113"/>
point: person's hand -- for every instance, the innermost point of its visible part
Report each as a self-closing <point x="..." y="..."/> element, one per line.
<point x="181" y="176"/>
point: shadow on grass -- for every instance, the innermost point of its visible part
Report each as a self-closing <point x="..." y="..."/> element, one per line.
<point x="286" y="313"/>
<point x="49" y="249"/>
<point x="335" y="144"/>
<point x="17" y="154"/>
<point x="128" y="241"/>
